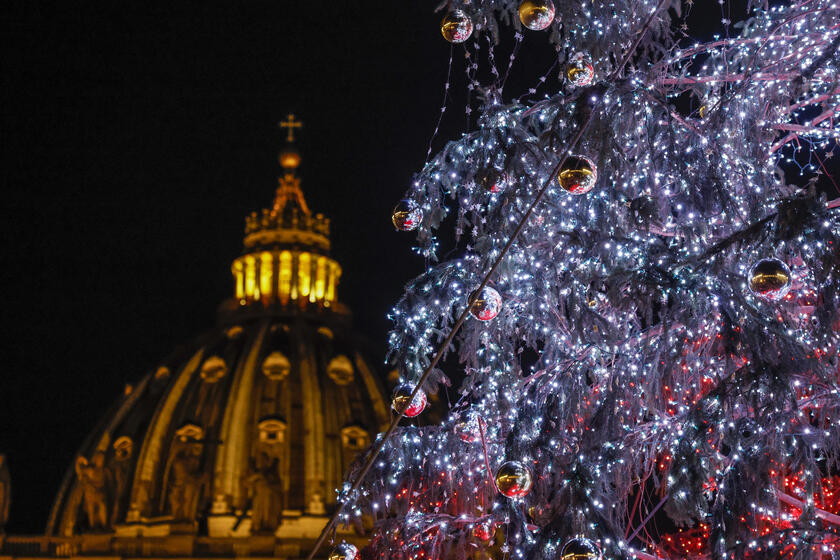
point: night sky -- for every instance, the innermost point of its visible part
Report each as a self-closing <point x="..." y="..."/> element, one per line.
<point x="135" y="139"/>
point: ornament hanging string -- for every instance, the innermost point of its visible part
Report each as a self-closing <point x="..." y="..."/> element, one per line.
<point x="571" y="145"/>
<point x="443" y="106"/>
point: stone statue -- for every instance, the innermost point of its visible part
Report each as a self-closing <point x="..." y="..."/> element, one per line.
<point x="119" y="469"/>
<point x="186" y="482"/>
<point x="265" y="490"/>
<point x="93" y="479"/>
<point x="5" y="492"/>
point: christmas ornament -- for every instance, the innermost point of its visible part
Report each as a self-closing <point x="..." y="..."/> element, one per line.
<point x="406" y="215"/>
<point x="770" y="279"/>
<point x="344" y="551"/>
<point x="580" y="71"/>
<point x="484" y="531"/>
<point x="456" y="26"/>
<point x="580" y="549"/>
<point x="486" y="305"/>
<point x="513" y="479"/>
<point x="536" y="15"/>
<point x="468" y="428"/>
<point x="490" y="179"/>
<point x="577" y="175"/>
<point x="402" y="401"/>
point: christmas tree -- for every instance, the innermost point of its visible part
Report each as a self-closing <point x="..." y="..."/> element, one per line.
<point x="643" y="303"/>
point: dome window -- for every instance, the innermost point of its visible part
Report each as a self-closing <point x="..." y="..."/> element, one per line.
<point x="276" y="366"/>
<point x="340" y="370"/>
<point x="123" y="448"/>
<point x="234" y="332"/>
<point x="213" y="369"/>
<point x="189" y="433"/>
<point x="355" y="438"/>
<point x="272" y="431"/>
<point x="326" y="332"/>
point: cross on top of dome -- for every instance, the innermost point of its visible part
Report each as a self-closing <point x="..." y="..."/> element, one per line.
<point x="291" y="124"/>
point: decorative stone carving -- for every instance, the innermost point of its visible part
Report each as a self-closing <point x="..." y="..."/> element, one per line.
<point x="272" y="431"/>
<point x="271" y="435"/>
<point x="186" y="479"/>
<point x="340" y="370"/>
<point x="316" y="504"/>
<point x="213" y="369"/>
<point x="354" y="438"/>
<point x="326" y="332"/>
<point x="185" y="487"/>
<point x="265" y="491"/>
<point x="93" y="479"/>
<point x="276" y="366"/>
<point x="123" y="450"/>
<point x="189" y="433"/>
<point x="234" y="332"/>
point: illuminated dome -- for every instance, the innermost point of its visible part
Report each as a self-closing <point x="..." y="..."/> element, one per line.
<point x="243" y="434"/>
<point x="289" y="158"/>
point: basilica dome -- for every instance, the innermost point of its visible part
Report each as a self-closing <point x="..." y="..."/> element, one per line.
<point x="248" y="429"/>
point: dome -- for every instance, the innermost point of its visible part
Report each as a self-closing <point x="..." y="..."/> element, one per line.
<point x="248" y="429"/>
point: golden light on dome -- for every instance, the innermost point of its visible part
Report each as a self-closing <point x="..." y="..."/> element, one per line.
<point x="298" y="276"/>
<point x="289" y="158"/>
<point x="286" y="260"/>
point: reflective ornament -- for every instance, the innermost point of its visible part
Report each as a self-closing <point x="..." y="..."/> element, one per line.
<point x="484" y="531"/>
<point x="490" y="179"/>
<point x="536" y="15"/>
<point x="402" y="396"/>
<point x="456" y="26"/>
<point x="407" y="215"/>
<point x="344" y="551"/>
<point x="577" y="175"/>
<point x="468" y="428"/>
<point x="580" y="71"/>
<point x="513" y="479"/>
<point x="486" y="305"/>
<point x="580" y="549"/>
<point x="770" y="279"/>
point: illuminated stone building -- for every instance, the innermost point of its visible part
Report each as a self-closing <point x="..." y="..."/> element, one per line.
<point x="233" y="445"/>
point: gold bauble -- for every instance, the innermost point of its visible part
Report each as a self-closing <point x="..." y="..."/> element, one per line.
<point x="580" y="549"/>
<point x="456" y="26"/>
<point x="401" y="401"/>
<point x="406" y="215"/>
<point x="536" y="15"/>
<point x="486" y="305"/>
<point x="344" y="551"/>
<point x="577" y="175"/>
<point x="580" y="70"/>
<point x="513" y="479"/>
<point x="770" y="279"/>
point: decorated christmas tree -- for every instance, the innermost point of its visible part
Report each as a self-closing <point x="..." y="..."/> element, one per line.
<point x="642" y="302"/>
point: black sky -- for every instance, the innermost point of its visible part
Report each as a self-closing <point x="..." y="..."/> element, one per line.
<point x="136" y="137"/>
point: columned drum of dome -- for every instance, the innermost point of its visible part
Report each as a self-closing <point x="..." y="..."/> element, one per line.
<point x="235" y="444"/>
